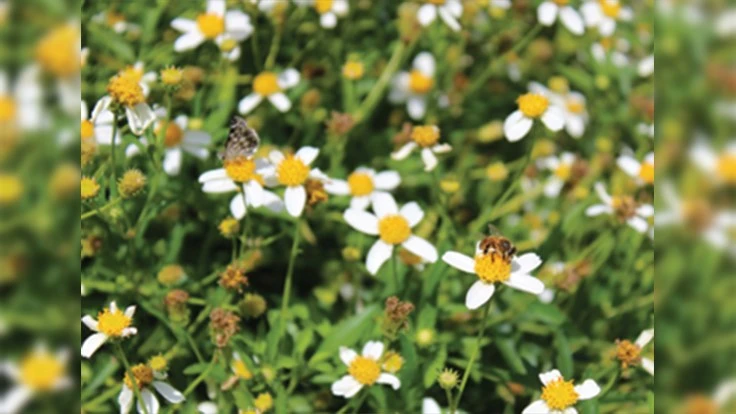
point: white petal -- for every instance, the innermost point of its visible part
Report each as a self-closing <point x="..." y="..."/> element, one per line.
<point x="295" y="198"/>
<point x="15" y="399"/>
<point x="645" y="210"/>
<point x="188" y="41"/>
<point x="426" y="14"/>
<point x="275" y="157"/>
<point x="416" y="106"/>
<point x="547" y="13"/>
<point x="449" y="19"/>
<point x="442" y="148"/>
<point x="430" y="406"/>
<point x="592" y="13"/>
<point x="630" y="165"/>
<point x="389" y="379"/>
<point x="362" y="221"/>
<point x="575" y="126"/>
<point x="337" y="187"/>
<point x="648" y="365"/>
<point x="216" y="174"/>
<point x="207" y="407"/>
<point x="525" y="283"/>
<point x="537" y="407"/>
<point x="588" y="389"/>
<point x="412" y="213"/>
<point x="172" y="161"/>
<point x="184" y="25"/>
<point x="572" y="20"/>
<point x="638" y="224"/>
<point x="553" y="118"/>
<point x="421" y="248"/>
<point x="384" y="204"/>
<point x="645" y="67"/>
<point x="196" y="138"/>
<point x="253" y="193"/>
<point x="102" y="107"/>
<point x="289" y="78"/>
<point x="237" y="25"/>
<point x="307" y="154"/>
<point x="92" y="343"/>
<point x="553" y="187"/>
<point x="125" y="399"/>
<point x="360" y="203"/>
<point x="328" y="20"/>
<point x="644" y="338"/>
<point x="340" y="7"/>
<point x="549" y="376"/>
<point x="424" y="62"/>
<point x="346" y="386"/>
<point x="347" y="355"/>
<point x="272" y="201"/>
<point x="598" y="209"/>
<point x="237" y="206"/>
<point x="387" y="180"/>
<point x="404" y="151"/>
<point x="280" y="101"/>
<point x="90" y="322"/>
<point x="527" y="262"/>
<point x="149" y="400"/>
<point x="377" y="256"/>
<point x="570" y="410"/>
<point x="249" y="103"/>
<point x="219" y="186"/>
<point x="459" y="261"/>
<point x="606" y="27"/>
<point x="478" y="294"/>
<point x="372" y="350"/>
<point x="170" y="393"/>
<point x="216" y="6"/>
<point x="429" y="159"/>
<point x="140" y="117"/>
<point x="600" y="189"/>
<point x="516" y="126"/>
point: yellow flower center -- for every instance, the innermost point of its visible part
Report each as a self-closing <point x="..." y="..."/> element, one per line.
<point x="436" y="2"/>
<point x="264" y="402"/>
<point x="575" y="106"/>
<point x="563" y="171"/>
<point x="394" y="229"/>
<point x="242" y="170"/>
<point x="241" y="370"/>
<point x="125" y="90"/>
<point x="393" y="362"/>
<point x="492" y="268"/>
<point x="353" y="70"/>
<point x="323" y="6"/>
<point x="7" y="109"/>
<point x="11" y="189"/>
<point x="628" y="353"/>
<point x="646" y="172"/>
<point x="211" y="25"/>
<point x="171" y="76"/>
<point x="497" y="171"/>
<point x="360" y="184"/>
<point x="561" y="2"/>
<point x="228" y="45"/>
<point x="726" y="168"/>
<point x="559" y="394"/>
<point x="266" y="83"/>
<point x="292" y="171"/>
<point x="135" y="73"/>
<point x="532" y="105"/>
<point x="40" y="371"/>
<point x="364" y="370"/>
<point x="58" y="52"/>
<point x="610" y="8"/>
<point x="558" y="84"/>
<point x="420" y="83"/>
<point x="89" y="187"/>
<point x="624" y="206"/>
<point x="173" y="136"/>
<point x="701" y="404"/>
<point x="87" y="129"/>
<point x="425" y="136"/>
<point x="112" y="323"/>
<point x="158" y="363"/>
<point x="142" y="374"/>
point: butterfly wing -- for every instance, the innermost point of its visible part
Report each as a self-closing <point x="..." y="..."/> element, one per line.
<point x="242" y="140"/>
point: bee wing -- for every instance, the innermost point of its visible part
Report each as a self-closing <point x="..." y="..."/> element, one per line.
<point x="242" y="140"/>
<point x="493" y="230"/>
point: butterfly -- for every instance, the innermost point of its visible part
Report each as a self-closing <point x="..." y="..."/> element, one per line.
<point x="242" y="140"/>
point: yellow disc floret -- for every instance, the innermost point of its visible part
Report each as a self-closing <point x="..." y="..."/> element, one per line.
<point x="266" y="83"/>
<point x="264" y="402"/>
<point x="563" y="171"/>
<point x="575" y="106"/>
<point x="58" y="51"/>
<point x="11" y="188"/>
<point x="8" y="109"/>
<point x="242" y="170"/>
<point x="394" y="229"/>
<point x="559" y="394"/>
<point x="89" y="187"/>
<point x="420" y="83"/>
<point x="158" y="363"/>
<point x="142" y="374"/>
<point x="131" y="183"/>
<point x="726" y="168"/>
<point x="125" y="90"/>
<point x="173" y="136"/>
<point x="361" y="184"/>
<point x="241" y="370"/>
<point x="532" y="105"/>
<point x="610" y="8"/>
<point x="292" y="171"/>
<point x="353" y="70"/>
<point x="436" y="2"/>
<point x="112" y="323"/>
<point x="323" y="6"/>
<point x="492" y="268"/>
<point x="365" y="370"/>
<point x="171" y="76"/>
<point x="393" y="362"/>
<point x="87" y="129"/>
<point x="425" y="136"/>
<point x="210" y="25"/>
<point x="229" y="227"/>
<point x="646" y="172"/>
<point x="41" y="371"/>
<point x="561" y="2"/>
<point x="628" y="353"/>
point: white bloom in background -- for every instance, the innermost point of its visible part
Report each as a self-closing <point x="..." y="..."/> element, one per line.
<point x="363" y="370"/>
<point x="292" y="171"/>
<point x="425" y="137"/>
<point x="98" y="126"/>
<point x="561" y="168"/>
<point x="614" y="49"/>
<point x="492" y="268"/>
<point x="560" y="396"/>
<point x="630" y="353"/>
<point x="115" y="21"/>
<point x="548" y="11"/>
<point x="645" y="68"/>
<point x="271" y="86"/>
<point x="21" y="102"/>
<point x="533" y="105"/>
<point x="448" y="10"/>
<point x="246" y="177"/>
<point x="38" y="372"/>
<point x="414" y="87"/>
<point x="178" y="138"/>
<point x="125" y="90"/>
<point x="645" y="129"/>
<point x="572" y="104"/>
<point x="642" y="172"/>
<point x="207" y="407"/>
<point x="265" y="6"/>
<point x="225" y="28"/>
<point x="111" y="323"/>
<point x="393" y="227"/>
<point x="499" y="4"/>
<point x="144" y="379"/>
<point x="330" y="10"/>
<point x="362" y="184"/>
<point x="624" y="208"/>
<point x="719" y="166"/>
<point x="603" y="15"/>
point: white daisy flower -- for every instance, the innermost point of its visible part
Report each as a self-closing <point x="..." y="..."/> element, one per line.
<point x="642" y="172"/>
<point x="178" y="139"/>
<point x="615" y="50"/>
<point x="271" y="86"/>
<point x="329" y="11"/>
<point x="491" y="269"/>
<point x="425" y="137"/>
<point x="448" y="10"/>
<point x="548" y="11"/>
<point x="393" y="227"/>
<point x="245" y="176"/>
<point x="603" y="15"/>
<point x="560" y="396"/>
<point x="223" y="27"/>
<point x="645" y="68"/>
<point x="572" y="104"/>
<point x="430" y="406"/>
<point x="720" y="166"/>
<point x="624" y="208"/>
<point x="146" y="380"/>
<point x="414" y="87"/>
<point x="98" y="126"/>
<point x="38" y="372"/>
<point x="21" y="102"/>
<point x="533" y="105"/>
<point x="126" y="92"/>
<point x="362" y="184"/>
<point x="630" y="353"/>
<point x="111" y="323"/>
<point x="363" y="370"/>
<point x="561" y="168"/>
<point x="292" y="171"/>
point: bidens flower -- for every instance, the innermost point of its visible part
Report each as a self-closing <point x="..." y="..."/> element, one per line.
<point x="561" y="168"/>
<point x="329" y="11"/>
<point x="642" y="172"/>
<point x="630" y="353"/>
<point x="223" y="27"/>
<point x="271" y="86"/>
<point x="548" y="11"/>
<point x="603" y="14"/>
<point x="293" y="172"/>
<point x="721" y="166"/>
<point x="448" y="10"/>
<point x="560" y="396"/>
<point x="571" y="103"/>
<point x="492" y="268"/>
<point x="111" y="323"/>
<point x="362" y="184"/>
<point x="624" y="208"/>
<point x="363" y="370"/>
<point x="532" y="106"/>
<point x="98" y="126"/>
<point x="393" y="227"/>
<point x="425" y="137"/>
<point x="413" y="87"/>
<point x="145" y="377"/>
<point x="125" y="91"/>
<point x="38" y="372"/>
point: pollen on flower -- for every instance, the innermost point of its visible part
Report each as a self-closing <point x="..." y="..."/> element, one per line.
<point x="559" y="394"/>
<point x="158" y="363"/>
<point x="266" y="83"/>
<point x="365" y="370"/>
<point x="532" y="105"/>
<point x="125" y="90"/>
<point x="8" y="109"/>
<point x="420" y="83"/>
<point x="142" y="375"/>
<point x="492" y="268"/>
<point x="112" y="323"/>
<point x="394" y="229"/>
<point x="726" y="168"/>
<point x="393" y="362"/>
<point x="57" y="52"/>
<point x="610" y="8"/>
<point x="628" y="353"/>
<point x="88" y="186"/>
<point x="241" y="370"/>
<point x="361" y="184"/>
<point x="173" y="135"/>
<point x="241" y="170"/>
<point x="563" y="171"/>
<point x="210" y="25"/>
<point x="425" y="135"/>
<point x="292" y="171"/>
<point x="353" y="70"/>
<point x="646" y="172"/>
<point x="40" y="371"/>
<point x="323" y="6"/>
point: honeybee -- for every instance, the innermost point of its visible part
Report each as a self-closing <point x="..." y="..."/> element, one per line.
<point x="496" y="243"/>
<point x="242" y="140"/>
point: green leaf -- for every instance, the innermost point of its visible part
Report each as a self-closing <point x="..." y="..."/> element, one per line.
<point x="346" y="333"/>
<point x="434" y="367"/>
<point x="508" y="352"/>
<point x="564" y="355"/>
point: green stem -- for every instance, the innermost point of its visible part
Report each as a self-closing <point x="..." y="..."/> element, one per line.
<point x="114" y="184"/>
<point x="395" y="271"/>
<point x="376" y="92"/>
<point x="129" y="371"/>
<point x="471" y="361"/>
<point x="100" y="209"/>
<point x="201" y="376"/>
<point x="444" y="211"/>
<point x="288" y="282"/>
<point x="273" y="51"/>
